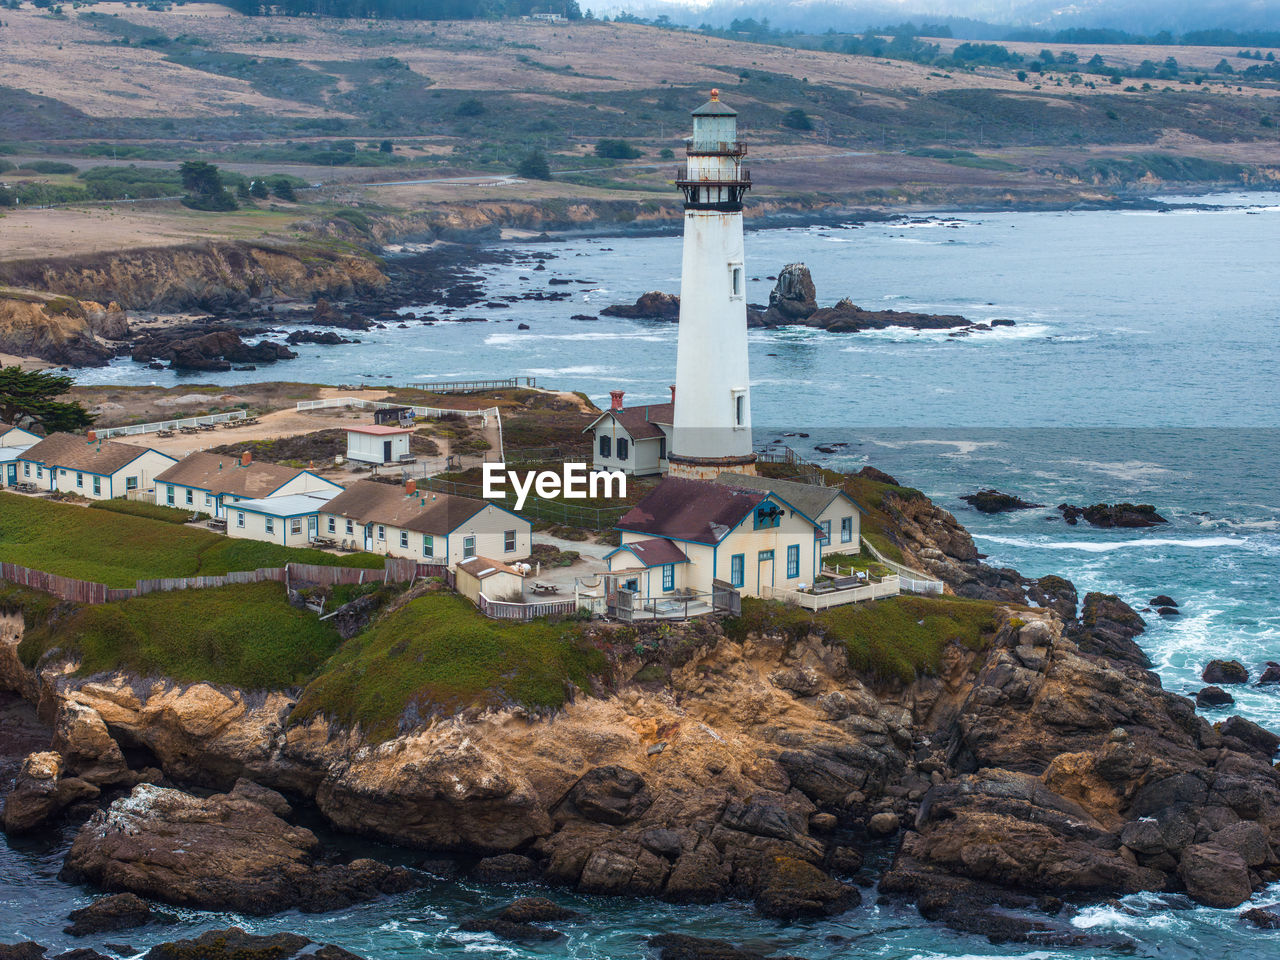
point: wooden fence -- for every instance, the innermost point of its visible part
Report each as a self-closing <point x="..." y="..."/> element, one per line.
<point x="502" y="610"/>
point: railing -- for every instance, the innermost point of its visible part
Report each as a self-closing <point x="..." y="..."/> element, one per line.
<point x="136" y="429"/>
<point x="888" y="587"/>
<point x="141" y="496"/>
<point x="429" y="412"/>
<point x="717" y="148"/>
<point x="472" y="386"/>
<point x="781" y="453"/>
<point x="505" y="610"/>
<point x="913" y="581"/>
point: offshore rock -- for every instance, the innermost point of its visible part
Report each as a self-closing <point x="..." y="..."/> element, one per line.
<point x="1113" y="515"/>
<point x="225" y="852"/>
<point x="123" y="911"/>
<point x="1213" y="697"/>
<point x="793" y="297"/>
<point x="993" y="501"/>
<point x="41" y="792"/>
<point x="653" y="305"/>
<point x="234" y="944"/>
<point x="1225" y="671"/>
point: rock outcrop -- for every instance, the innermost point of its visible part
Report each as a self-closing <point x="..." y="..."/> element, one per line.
<point x="993" y="501"/>
<point x="215" y="351"/>
<point x="225" y="852"/>
<point x="653" y="305"/>
<point x="1113" y="514"/>
<point x="57" y="329"/>
<point x="793" y="296"/>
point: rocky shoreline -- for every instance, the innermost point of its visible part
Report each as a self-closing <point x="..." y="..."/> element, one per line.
<point x="1045" y="770"/>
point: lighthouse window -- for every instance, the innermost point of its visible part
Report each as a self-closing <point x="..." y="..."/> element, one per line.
<point x="735" y="281"/>
<point x="739" y="409"/>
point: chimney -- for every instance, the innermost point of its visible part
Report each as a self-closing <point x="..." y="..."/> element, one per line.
<point x="92" y="436"/>
<point x="673" y="393"/>
<point x="616" y="397"/>
<point x="246" y="458"/>
<point x="411" y="488"/>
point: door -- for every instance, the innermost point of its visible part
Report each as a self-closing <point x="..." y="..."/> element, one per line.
<point x="313" y="528"/>
<point x="386" y="451"/>
<point x="11" y="476"/>
<point x="764" y="569"/>
<point x="368" y="538"/>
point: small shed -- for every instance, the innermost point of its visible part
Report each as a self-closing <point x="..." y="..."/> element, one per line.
<point x="496" y="580"/>
<point x="378" y="443"/>
<point x="392" y="416"/>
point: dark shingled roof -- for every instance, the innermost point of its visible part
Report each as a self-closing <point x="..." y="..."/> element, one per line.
<point x="809" y="498"/>
<point x="219" y="473"/>
<point x="367" y="501"/>
<point x="695" y="510"/>
<point x="77" y="453"/>
<point x="641" y="423"/>
<point x="654" y="552"/>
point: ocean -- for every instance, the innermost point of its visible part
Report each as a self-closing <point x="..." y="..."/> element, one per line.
<point x="1141" y="366"/>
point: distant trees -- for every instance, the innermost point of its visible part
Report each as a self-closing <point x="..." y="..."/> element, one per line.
<point x="258" y="190"/>
<point x="386" y="146"/>
<point x="797" y="119"/>
<point x="534" y="166"/>
<point x="31" y="397"/>
<point x="404" y="9"/>
<point x="203" y="183"/>
<point x="284" y="190"/>
<point x="613" y="149"/>
<point x="471" y="107"/>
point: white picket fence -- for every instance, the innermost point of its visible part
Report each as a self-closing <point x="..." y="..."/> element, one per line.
<point x="429" y="412"/>
<point x="887" y="587"/>
<point x="136" y="429"/>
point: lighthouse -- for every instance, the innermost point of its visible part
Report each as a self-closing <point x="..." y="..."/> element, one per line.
<point x="711" y="428"/>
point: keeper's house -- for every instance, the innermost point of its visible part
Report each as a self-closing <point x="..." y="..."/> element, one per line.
<point x="430" y="527"/>
<point x="632" y="439"/>
<point x="211" y="483"/>
<point x="292" y="519"/>
<point x="836" y="512"/>
<point x="92" y="468"/>
<point x="378" y="443"/>
<point x="687" y="533"/>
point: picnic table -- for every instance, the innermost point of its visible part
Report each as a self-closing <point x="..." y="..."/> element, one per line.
<point x="540" y="587"/>
<point x="164" y="433"/>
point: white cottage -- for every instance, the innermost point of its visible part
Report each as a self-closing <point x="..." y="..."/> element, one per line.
<point x="632" y="439"/>
<point x="377" y="443"/>
<point x="292" y="520"/>
<point x="92" y="468"/>
<point x="752" y="539"/>
<point x="11" y="436"/>
<point x="834" y="510"/>
<point x="210" y="483"/>
<point x="431" y="527"/>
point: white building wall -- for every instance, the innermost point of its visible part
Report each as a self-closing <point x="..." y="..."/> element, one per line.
<point x="257" y="526"/>
<point x="643" y="457"/>
<point x="94" y="486"/>
<point x="369" y="448"/>
<point x="488" y="528"/>
<point x="839" y="510"/>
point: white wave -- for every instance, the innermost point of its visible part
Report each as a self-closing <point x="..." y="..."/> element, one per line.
<point x="560" y="371"/>
<point x="963" y="448"/>
<point x="1094" y="546"/>
<point x="524" y="337"/>
<point x="1128" y="470"/>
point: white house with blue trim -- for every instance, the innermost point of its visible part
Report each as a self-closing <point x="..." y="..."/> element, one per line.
<point x="11" y="436"/>
<point x="747" y="538"/>
<point x="211" y="483"/>
<point x="291" y="520"/>
<point x="839" y="516"/>
<point x="89" y="467"/>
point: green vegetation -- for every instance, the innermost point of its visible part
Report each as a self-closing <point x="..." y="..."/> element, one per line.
<point x="613" y="149"/>
<point x="31" y="396"/>
<point x="896" y="639"/>
<point x="438" y="654"/>
<point x="248" y="636"/>
<point x="140" y="508"/>
<point x="205" y="190"/>
<point x="534" y="166"/>
<point x="103" y="546"/>
<point x="856" y="561"/>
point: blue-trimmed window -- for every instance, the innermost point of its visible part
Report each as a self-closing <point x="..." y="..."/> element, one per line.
<point x="404" y="539"/>
<point x="606" y="445"/>
<point x="668" y="576"/>
<point x="170" y="498"/>
<point x="846" y="529"/>
<point x="271" y="524"/>
<point x="793" y="561"/>
<point x="428" y="545"/>
<point x="826" y="532"/>
<point x="738" y="569"/>
<point x="97" y="486"/>
<point x="768" y="515"/>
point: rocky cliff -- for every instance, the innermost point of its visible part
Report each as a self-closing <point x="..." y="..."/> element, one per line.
<point x="1044" y="764"/>
<point x="59" y="329"/>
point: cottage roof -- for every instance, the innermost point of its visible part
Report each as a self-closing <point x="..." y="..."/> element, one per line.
<point x="482" y="568"/>
<point x="810" y="499"/>
<point x="643" y="422"/>
<point x="220" y="473"/>
<point x="378" y="429"/>
<point x="290" y="505"/>
<point x="654" y="552"/>
<point x="368" y="501"/>
<point x="71" y="452"/>
<point x="693" y="510"/>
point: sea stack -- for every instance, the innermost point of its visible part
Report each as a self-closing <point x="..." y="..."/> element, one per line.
<point x="712" y="416"/>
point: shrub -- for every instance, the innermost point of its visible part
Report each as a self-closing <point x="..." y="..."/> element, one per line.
<point x="797" y="119"/>
<point x="614" y="149"/>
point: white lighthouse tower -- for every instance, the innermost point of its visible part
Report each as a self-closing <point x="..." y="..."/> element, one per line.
<point x="711" y="432"/>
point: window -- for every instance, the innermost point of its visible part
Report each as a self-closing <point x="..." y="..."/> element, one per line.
<point x="351" y="527"/>
<point x="428" y="546"/>
<point x="131" y="483"/>
<point x="26" y="469"/>
<point x="622" y="448"/>
<point x="737" y="569"/>
<point x="382" y="532"/>
<point x="668" y="576"/>
<point x="735" y="280"/>
<point x="826" y="532"/>
<point x="79" y="479"/>
<point x="662" y="448"/>
<point x="239" y="519"/>
<point x="208" y="499"/>
<point x="271" y="524"/>
<point x="333" y="525"/>
<point x="295" y="525"/>
<point x="739" y="410"/>
<point x="846" y="529"/>
<point x="606" y="445"/>
<point x="404" y="539"/>
<point x="508" y="541"/>
<point x="97" y="486"/>
<point x="171" y="496"/>
<point x="40" y="472"/>
<point x="191" y="497"/>
<point x="768" y="515"/>
<point x="468" y="547"/>
<point x="765" y="556"/>
<point x="793" y="561"/>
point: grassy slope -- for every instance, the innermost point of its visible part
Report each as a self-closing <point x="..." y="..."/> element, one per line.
<point x="900" y="638"/>
<point x="116" y="549"/>
<point x="247" y="636"/>
<point x="437" y="653"/>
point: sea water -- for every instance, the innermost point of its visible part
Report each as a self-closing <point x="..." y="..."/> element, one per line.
<point x="1142" y="366"/>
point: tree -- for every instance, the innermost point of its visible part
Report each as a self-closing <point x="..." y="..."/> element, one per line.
<point x="797" y="119"/>
<point x="284" y="190"/>
<point x="258" y="190"/>
<point x="616" y="149"/>
<point x="470" y="107"/>
<point x="203" y="184"/>
<point x="385" y="146"/>
<point x="534" y="166"/>
<point x="30" y="396"/>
